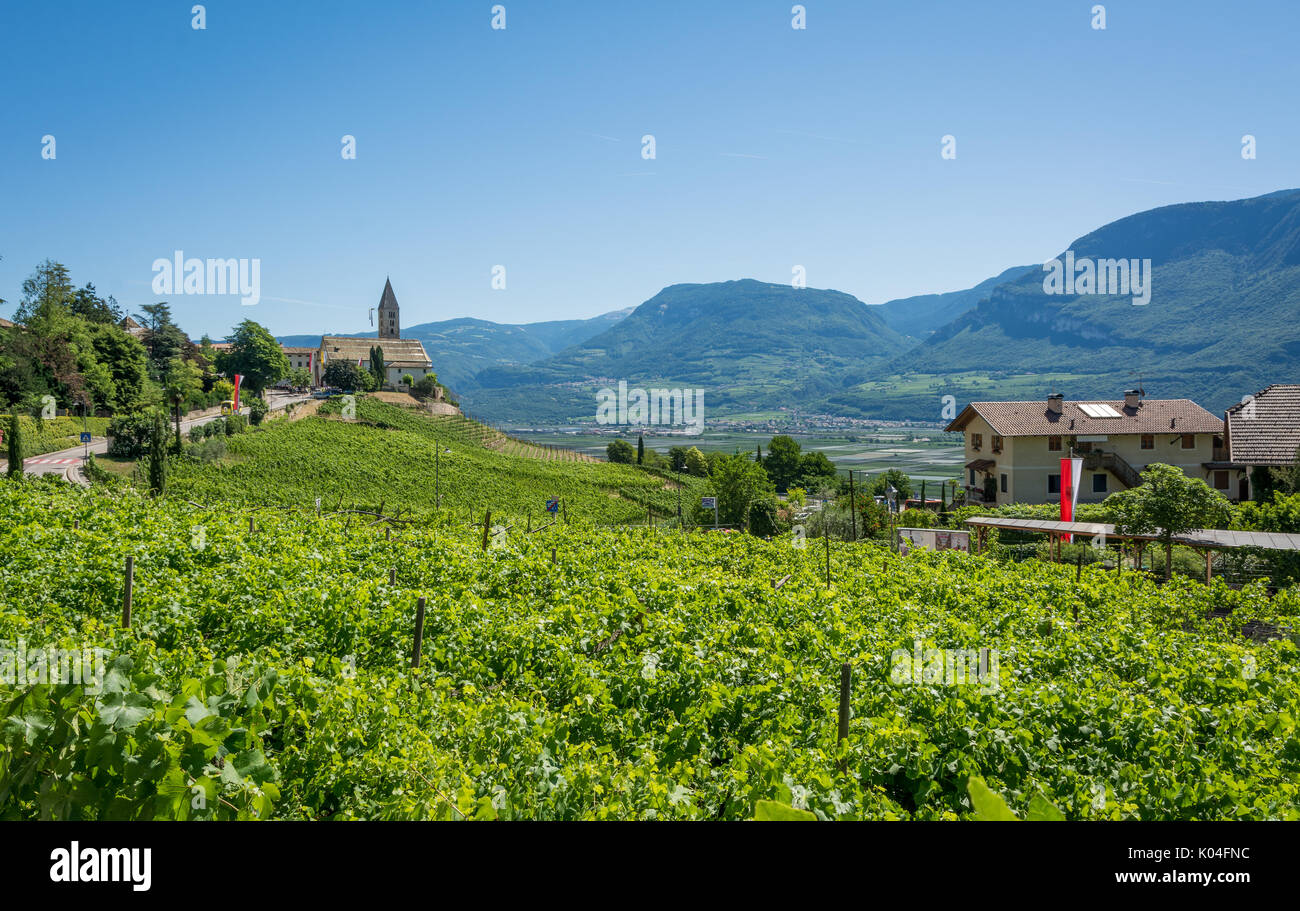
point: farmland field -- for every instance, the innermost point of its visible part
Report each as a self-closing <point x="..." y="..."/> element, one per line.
<point x="922" y="453"/>
<point x="641" y="675"/>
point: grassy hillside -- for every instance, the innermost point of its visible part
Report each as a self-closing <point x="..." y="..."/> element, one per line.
<point x="1221" y="323"/>
<point x="388" y="454"/>
<point x="919" y="316"/>
<point x="642" y="675"/>
<point x="751" y="345"/>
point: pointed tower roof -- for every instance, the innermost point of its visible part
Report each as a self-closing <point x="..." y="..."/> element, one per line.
<point x="388" y="301"/>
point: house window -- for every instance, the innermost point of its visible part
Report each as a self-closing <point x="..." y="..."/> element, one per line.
<point x="972" y="477"/>
<point x="1083" y="447"/>
<point x="1148" y="441"/>
<point x="1099" y="483"/>
<point x="1220" y="480"/>
<point x="1053" y="483"/>
<point x="1189" y="441"/>
<point x="1054" y="444"/>
<point x="1004" y="483"/>
<point x="976" y="441"/>
<point x="997" y="443"/>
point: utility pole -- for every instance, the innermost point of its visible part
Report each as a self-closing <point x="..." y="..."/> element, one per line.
<point x="853" y="506"/>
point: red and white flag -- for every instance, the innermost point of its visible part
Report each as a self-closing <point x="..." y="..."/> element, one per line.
<point x="1071" y="472"/>
<point x="239" y="378"/>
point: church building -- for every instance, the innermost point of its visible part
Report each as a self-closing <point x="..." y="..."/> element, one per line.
<point x="401" y="355"/>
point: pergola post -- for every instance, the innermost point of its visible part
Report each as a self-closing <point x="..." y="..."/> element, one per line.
<point x="1209" y="556"/>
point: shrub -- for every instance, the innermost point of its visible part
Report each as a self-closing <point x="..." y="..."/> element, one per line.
<point x="257" y="411"/>
<point x="129" y="435"/>
<point x="97" y="475"/>
<point x="763" y="519"/>
<point x="208" y="451"/>
<point x="696" y="464"/>
<point x="620" y="451"/>
<point x="426" y="387"/>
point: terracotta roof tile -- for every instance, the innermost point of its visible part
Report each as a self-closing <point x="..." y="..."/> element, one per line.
<point x="1019" y="419"/>
<point x="400" y="352"/>
<point x="1266" y="431"/>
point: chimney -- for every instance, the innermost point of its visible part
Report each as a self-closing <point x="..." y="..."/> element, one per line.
<point x="1054" y="403"/>
<point x="1132" y="398"/>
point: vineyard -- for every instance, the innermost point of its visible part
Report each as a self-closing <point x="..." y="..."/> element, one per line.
<point x="407" y="460"/>
<point x="586" y="673"/>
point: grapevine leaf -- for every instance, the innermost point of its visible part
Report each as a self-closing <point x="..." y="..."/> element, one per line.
<point x="771" y="810"/>
<point x="989" y="807"/>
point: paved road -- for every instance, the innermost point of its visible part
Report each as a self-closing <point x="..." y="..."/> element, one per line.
<point x="67" y="462"/>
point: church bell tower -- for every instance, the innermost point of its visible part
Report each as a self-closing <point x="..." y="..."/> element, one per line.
<point x="389" y="324"/>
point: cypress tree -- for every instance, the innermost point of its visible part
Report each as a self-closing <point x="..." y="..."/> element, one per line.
<point x="158" y="455"/>
<point x="640" y="450"/>
<point x="15" y="441"/>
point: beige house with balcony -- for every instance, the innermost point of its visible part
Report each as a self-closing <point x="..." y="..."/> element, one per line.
<point x="1013" y="449"/>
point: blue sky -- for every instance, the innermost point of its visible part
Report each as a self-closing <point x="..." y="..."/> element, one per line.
<point x="521" y="147"/>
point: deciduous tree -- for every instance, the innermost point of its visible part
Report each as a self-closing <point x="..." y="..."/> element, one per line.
<point x="1167" y="503"/>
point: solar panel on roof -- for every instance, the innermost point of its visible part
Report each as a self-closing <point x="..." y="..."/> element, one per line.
<point x="1099" y="410"/>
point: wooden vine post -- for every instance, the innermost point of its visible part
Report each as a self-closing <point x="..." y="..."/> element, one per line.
<point x="846" y="681"/>
<point x="827" y="538"/>
<point x="127" y="592"/>
<point x="487" y="528"/>
<point x="853" y="507"/>
<point x="419" y="634"/>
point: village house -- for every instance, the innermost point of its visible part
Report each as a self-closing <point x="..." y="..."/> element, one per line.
<point x="401" y="356"/>
<point x="1013" y="449"/>
<point x="1260" y="433"/>
<point x="300" y="357"/>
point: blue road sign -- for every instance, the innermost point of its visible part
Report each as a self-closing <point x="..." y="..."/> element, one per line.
<point x="553" y="504"/>
<point x="709" y="502"/>
<point x="85" y="437"/>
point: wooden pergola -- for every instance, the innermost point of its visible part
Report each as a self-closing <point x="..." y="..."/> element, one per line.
<point x="1208" y="540"/>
